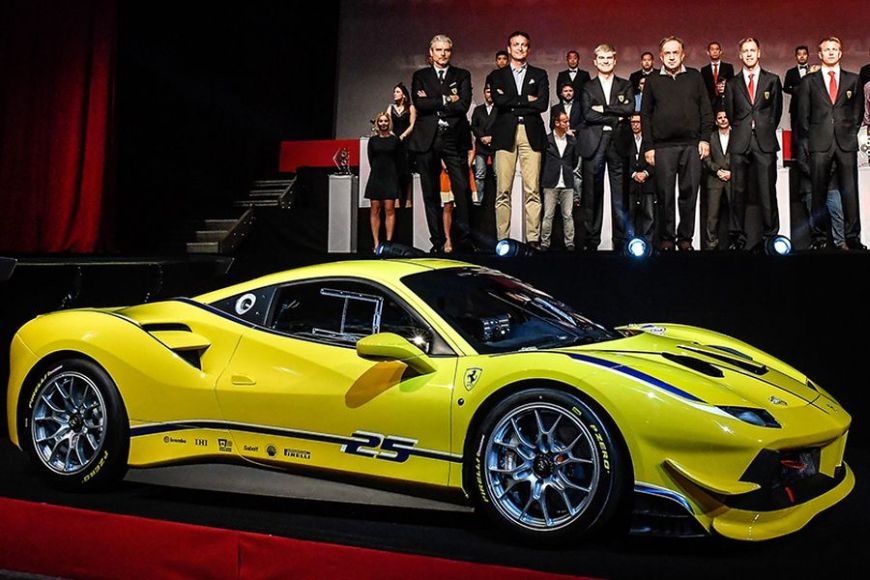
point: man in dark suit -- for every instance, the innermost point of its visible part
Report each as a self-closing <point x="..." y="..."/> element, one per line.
<point x="481" y="125"/>
<point x="573" y="75"/>
<point x="442" y="94"/>
<point x="570" y="105"/>
<point x="793" y="78"/>
<point x="641" y="188"/>
<point x="715" y="70"/>
<point x="830" y="107"/>
<point x="718" y="166"/>
<point x="521" y="93"/>
<point x="647" y="60"/>
<point x="604" y="141"/>
<point x="676" y="121"/>
<point x="557" y="181"/>
<point x="753" y="104"/>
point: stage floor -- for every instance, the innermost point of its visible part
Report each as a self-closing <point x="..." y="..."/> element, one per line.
<point x="833" y="544"/>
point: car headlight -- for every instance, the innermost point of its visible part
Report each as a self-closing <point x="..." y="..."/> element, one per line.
<point x="758" y="417"/>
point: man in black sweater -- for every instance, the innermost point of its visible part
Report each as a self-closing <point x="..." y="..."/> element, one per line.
<point x="677" y="120"/>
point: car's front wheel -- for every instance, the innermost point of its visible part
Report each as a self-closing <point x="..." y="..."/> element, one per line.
<point x="547" y="465"/>
<point x="75" y="425"/>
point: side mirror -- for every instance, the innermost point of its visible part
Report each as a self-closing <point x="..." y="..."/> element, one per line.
<point x="390" y="346"/>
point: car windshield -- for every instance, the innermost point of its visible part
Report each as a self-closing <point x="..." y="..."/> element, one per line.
<point x="498" y="313"/>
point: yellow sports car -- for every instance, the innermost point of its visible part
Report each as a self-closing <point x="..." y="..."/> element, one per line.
<point x="444" y="375"/>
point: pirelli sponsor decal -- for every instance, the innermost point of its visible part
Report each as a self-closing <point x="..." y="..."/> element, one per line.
<point x="362" y="443"/>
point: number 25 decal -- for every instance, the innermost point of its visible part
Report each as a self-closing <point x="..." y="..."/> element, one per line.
<point x="389" y="448"/>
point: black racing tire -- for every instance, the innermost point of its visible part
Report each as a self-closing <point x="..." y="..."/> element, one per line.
<point x="74" y="426"/>
<point x="533" y="456"/>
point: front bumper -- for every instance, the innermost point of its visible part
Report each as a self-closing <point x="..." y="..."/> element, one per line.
<point x="751" y="525"/>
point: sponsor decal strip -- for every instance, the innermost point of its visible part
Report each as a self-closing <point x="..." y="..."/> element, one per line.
<point x="620" y="368"/>
<point x="360" y="443"/>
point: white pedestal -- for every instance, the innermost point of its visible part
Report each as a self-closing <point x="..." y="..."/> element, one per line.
<point x="343" y="204"/>
<point x="419" y="227"/>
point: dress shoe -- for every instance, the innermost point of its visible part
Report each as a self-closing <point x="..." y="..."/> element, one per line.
<point x="855" y="244"/>
<point x="736" y="246"/>
<point x="569" y="248"/>
<point x="819" y="245"/>
<point x="666" y="246"/>
<point x="535" y="245"/>
<point x="685" y="246"/>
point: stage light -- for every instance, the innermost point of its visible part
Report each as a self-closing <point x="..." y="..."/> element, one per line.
<point x="778" y="246"/>
<point x="395" y="250"/>
<point x="638" y="248"/>
<point x="508" y="248"/>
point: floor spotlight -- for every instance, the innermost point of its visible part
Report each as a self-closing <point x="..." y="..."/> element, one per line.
<point x="778" y="246"/>
<point x="395" y="250"/>
<point x="508" y="248"/>
<point x="638" y="248"/>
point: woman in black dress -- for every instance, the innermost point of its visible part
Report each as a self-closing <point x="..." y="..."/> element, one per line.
<point x="382" y="188"/>
<point x="404" y="115"/>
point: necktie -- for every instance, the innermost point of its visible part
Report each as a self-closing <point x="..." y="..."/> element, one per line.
<point x="751" y="88"/>
<point x="716" y="77"/>
<point x="441" y="76"/>
<point x="832" y="87"/>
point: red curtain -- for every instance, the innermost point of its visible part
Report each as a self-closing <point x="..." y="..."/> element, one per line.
<point x="56" y="134"/>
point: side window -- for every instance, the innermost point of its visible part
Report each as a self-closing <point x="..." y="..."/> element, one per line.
<point x="343" y="312"/>
<point x="251" y="306"/>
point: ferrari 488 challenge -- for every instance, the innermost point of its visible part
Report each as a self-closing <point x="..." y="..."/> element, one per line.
<point x="444" y="375"/>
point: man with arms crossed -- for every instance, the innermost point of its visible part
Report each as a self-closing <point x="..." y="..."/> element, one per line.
<point x="830" y="107"/>
<point x="442" y="95"/>
<point x="676" y="120"/>
<point x="604" y="141"/>
<point x="521" y="92"/>
<point x="753" y="105"/>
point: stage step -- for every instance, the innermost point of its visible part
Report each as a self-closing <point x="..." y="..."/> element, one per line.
<point x="203" y="247"/>
<point x="223" y="235"/>
<point x="211" y="235"/>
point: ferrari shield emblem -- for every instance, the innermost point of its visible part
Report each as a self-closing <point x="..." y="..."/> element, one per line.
<point x="621" y="98"/>
<point x="766" y="95"/>
<point x="471" y="377"/>
<point x="848" y="94"/>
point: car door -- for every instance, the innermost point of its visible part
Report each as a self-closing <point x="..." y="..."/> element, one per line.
<point x="296" y="392"/>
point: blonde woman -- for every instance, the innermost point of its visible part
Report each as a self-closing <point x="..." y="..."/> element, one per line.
<point x="382" y="188"/>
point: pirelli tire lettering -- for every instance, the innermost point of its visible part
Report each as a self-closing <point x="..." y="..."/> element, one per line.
<point x="547" y="464"/>
<point x="74" y="425"/>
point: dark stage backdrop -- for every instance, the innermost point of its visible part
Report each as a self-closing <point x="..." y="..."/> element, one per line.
<point x="383" y="42"/>
<point x="207" y="92"/>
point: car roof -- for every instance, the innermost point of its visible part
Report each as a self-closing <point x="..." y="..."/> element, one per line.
<point x="385" y="271"/>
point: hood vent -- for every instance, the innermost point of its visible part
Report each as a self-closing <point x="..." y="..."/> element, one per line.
<point x="695" y="364"/>
<point x="742" y="363"/>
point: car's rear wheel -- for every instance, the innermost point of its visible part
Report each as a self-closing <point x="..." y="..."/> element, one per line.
<point x="75" y="425"/>
<point x="547" y="465"/>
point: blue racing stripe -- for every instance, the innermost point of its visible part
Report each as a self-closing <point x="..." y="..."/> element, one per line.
<point x="620" y="368"/>
<point x="666" y="493"/>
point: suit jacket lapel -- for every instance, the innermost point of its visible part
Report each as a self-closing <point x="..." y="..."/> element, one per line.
<point x="526" y="79"/>
<point x="820" y="81"/>
<point x="841" y="93"/>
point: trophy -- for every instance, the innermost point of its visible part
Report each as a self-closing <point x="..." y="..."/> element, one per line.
<point x="342" y="161"/>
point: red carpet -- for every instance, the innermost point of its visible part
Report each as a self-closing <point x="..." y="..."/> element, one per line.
<point x="60" y="541"/>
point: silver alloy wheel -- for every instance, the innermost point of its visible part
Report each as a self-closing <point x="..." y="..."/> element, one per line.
<point x="68" y="423"/>
<point x="542" y="466"/>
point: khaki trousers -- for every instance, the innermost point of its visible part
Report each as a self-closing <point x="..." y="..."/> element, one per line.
<point x="505" y="169"/>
